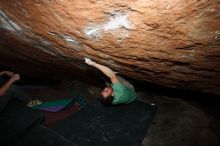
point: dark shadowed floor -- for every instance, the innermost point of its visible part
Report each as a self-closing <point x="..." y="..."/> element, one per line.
<point x="179" y="121"/>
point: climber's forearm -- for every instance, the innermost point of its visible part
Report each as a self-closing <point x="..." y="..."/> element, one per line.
<point x="107" y="71"/>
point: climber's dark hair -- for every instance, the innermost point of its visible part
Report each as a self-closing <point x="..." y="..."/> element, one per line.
<point x="107" y="101"/>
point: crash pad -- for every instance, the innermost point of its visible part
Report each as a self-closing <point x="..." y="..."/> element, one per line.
<point x="108" y="126"/>
<point x="54" y="106"/>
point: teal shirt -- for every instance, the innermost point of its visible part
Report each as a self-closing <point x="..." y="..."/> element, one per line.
<point x="123" y="94"/>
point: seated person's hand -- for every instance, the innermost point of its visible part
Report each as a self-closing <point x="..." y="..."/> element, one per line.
<point x="15" y="77"/>
<point x="9" y="73"/>
<point x="89" y="61"/>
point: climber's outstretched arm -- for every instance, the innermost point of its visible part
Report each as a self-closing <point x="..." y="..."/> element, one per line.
<point x="106" y="70"/>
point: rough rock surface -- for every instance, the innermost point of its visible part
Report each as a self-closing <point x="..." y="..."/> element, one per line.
<point x="174" y="43"/>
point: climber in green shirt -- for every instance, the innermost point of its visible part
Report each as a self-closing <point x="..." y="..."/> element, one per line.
<point x="120" y="92"/>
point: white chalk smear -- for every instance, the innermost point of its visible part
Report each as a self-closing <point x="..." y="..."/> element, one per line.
<point x="114" y="25"/>
<point x="118" y="22"/>
<point x="70" y="40"/>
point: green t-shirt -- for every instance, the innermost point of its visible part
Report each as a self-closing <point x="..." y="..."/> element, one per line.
<point x="123" y="94"/>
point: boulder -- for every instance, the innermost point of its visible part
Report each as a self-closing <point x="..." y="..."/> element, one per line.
<point x="170" y="43"/>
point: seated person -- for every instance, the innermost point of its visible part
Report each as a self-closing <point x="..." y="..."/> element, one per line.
<point x="8" y="90"/>
<point x="120" y="92"/>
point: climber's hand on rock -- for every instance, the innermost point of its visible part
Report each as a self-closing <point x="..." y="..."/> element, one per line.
<point x="89" y="61"/>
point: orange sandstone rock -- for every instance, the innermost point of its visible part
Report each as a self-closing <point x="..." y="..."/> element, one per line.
<point x="170" y="43"/>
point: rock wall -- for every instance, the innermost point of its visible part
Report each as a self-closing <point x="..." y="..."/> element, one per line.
<point x="174" y="43"/>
